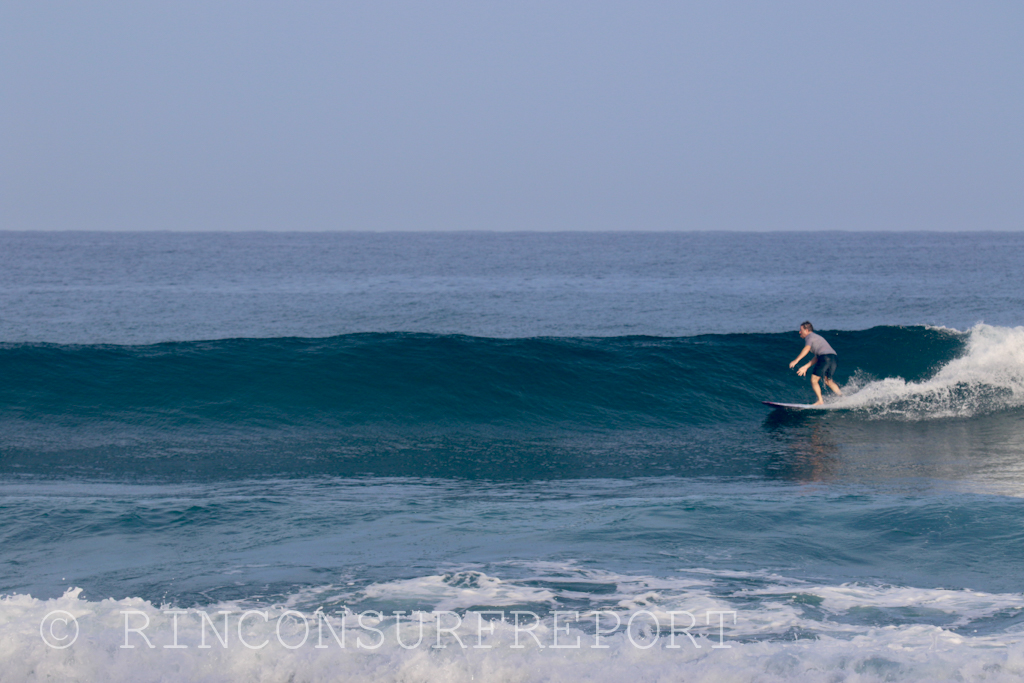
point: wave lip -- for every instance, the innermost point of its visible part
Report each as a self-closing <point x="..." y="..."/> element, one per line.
<point x="987" y="377"/>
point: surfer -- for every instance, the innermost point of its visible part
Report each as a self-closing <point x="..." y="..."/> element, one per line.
<point x="824" y="361"/>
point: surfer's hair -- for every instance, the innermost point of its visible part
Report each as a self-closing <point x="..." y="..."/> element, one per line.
<point x="806" y="325"/>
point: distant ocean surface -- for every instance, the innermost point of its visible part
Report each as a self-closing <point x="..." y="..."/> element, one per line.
<point x="324" y="430"/>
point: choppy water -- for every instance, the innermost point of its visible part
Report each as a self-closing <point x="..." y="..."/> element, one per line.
<point x="533" y="423"/>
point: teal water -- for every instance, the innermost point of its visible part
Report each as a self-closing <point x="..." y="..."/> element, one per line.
<point x="545" y="422"/>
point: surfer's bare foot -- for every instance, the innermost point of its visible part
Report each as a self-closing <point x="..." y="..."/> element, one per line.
<point x="819" y="403"/>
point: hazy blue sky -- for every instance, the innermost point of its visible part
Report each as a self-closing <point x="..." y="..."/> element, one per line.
<point x="512" y="115"/>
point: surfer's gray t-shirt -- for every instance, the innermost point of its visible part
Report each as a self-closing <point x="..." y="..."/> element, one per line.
<point x="818" y="344"/>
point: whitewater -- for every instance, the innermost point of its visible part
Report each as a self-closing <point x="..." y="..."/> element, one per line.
<point x="532" y="457"/>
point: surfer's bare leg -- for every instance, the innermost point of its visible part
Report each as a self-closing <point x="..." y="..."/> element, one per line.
<point x="817" y="389"/>
<point x="833" y="386"/>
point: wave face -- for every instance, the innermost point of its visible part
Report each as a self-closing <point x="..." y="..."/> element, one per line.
<point x="395" y="378"/>
<point x="439" y="405"/>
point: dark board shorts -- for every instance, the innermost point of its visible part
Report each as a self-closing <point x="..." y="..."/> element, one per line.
<point x="824" y="366"/>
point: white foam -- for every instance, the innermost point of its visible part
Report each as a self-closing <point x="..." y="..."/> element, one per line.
<point x="458" y="591"/>
<point x="988" y="377"/>
<point x="771" y="611"/>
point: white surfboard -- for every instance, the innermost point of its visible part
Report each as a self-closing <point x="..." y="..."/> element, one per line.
<point x="796" y="406"/>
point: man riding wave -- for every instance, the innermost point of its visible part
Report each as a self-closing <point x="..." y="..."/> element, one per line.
<point x="824" y="361"/>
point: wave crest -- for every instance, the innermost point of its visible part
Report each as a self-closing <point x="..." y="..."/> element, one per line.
<point x="987" y="377"/>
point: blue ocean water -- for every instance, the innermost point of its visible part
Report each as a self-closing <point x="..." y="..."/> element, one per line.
<point x="458" y="422"/>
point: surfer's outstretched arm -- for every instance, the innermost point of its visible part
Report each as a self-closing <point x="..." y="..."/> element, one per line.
<point x="802" y="354"/>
